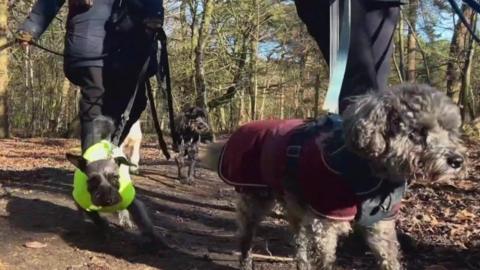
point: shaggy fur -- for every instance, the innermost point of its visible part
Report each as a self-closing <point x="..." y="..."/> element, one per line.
<point x="408" y="133"/>
<point x="190" y="126"/>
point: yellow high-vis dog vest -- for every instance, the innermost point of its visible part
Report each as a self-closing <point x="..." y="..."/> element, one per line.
<point x="102" y="150"/>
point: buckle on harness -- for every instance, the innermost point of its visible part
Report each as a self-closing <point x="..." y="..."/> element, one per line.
<point x="294" y="151"/>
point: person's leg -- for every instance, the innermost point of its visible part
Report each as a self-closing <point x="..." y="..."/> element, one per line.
<point x="91" y="101"/>
<point x="372" y="29"/>
<point x="316" y="16"/>
<point x="119" y="90"/>
<point x="368" y="66"/>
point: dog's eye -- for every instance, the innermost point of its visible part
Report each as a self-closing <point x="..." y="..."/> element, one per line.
<point x="115" y="181"/>
<point x="417" y="135"/>
<point x="93" y="182"/>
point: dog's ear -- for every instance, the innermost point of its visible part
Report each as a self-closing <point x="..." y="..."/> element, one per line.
<point x="123" y="160"/>
<point x="365" y="124"/>
<point x="77" y="161"/>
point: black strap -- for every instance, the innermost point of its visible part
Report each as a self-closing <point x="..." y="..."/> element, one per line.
<point x="164" y="84"/>
<point x="156" y="123"/>
<point x="293" y="152"/>
<point x="142" y="77"/>
<point x="475" y="6"/>
<point x="298" y="138"/>
<point x="79" y="58"/>
<point x="163" y="73"/>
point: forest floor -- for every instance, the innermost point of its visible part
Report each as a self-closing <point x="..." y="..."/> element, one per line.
<point x="439" y="224"/>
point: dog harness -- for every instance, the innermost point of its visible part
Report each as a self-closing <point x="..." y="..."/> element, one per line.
<point x="102" y="150"/>
<point x="308" y="160"/>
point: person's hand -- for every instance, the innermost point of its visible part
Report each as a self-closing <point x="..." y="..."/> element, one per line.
<point x="24" y="38"/>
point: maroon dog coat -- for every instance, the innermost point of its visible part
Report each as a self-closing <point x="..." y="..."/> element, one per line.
<point x="255" y="157"/>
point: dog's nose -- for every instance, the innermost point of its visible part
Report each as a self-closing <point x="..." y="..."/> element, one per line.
<point x="455" y="161"/>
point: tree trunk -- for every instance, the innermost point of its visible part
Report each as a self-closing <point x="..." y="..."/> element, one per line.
<point x="3" y="70"/>
<point x="412" y="44"/>
<point x="203" y="32"/>
<point x="466" y="99"/>
<point x="62" y="121"/>
<point x="264" y="96"/>
<point x="253" y="61"/>
<point x="316" y="102"/>
<point x="282" y="99"/>
<point x="401" y="47"/>
<point x="457" y="55"/>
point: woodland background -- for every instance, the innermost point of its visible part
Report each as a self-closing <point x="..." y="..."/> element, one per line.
<point x="243" y="60"/>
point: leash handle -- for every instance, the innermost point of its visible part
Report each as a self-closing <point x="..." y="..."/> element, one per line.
<point x="340" y="28"/>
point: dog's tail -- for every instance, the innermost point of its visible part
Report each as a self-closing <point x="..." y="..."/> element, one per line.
<point x="211" y="156"/>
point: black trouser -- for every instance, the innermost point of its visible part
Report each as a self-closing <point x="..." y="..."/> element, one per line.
<point x="372" y="28"/>
<point x="105" y="93"/>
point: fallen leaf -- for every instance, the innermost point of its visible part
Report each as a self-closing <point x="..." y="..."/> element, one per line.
<point x="35" y="244"/>
<point x="464" y="215"/>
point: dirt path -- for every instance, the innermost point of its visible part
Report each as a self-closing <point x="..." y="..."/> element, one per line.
<point x="439" y="225"/>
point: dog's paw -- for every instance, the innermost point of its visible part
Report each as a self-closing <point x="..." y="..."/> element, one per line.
<point x="246" y="264"/>
<point x="124" y="220"/>
<point x="151" y="244"/>
<point x="187" y="181"/>
<point x="134" y="170"/>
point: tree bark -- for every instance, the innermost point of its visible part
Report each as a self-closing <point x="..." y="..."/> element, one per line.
<point x="253" y="89"/>
<point x="3" y="70"/>
<point x="412" y="44"/>
<point x="316" y="102"/>
<point x="466" y="99"/>
<point x="203" y="33"/>
<point x="401" y="47"/>
<point x="457" y="55"/>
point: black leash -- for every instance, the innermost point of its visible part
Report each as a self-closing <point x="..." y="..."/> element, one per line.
<point x="164" y="84"/>
<point x="156" y="122"/>
<point x="475" y="6"/>
<point x="126" y="114"/>
<point x="83" y="58"/>
<point x="35" y="44"/>
<point x="143" y="80"/>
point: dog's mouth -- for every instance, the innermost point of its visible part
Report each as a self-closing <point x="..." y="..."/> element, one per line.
<point x="106" y="199"/>
<point x="201" y="128"/>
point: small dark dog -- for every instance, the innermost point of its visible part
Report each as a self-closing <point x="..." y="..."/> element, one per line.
<point x="191" y="125"/>
<point x="103" y="185"/>
<point x="332" y="171"/>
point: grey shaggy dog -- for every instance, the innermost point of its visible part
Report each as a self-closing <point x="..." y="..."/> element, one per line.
<point x="191" y="125"/>
<point x="408" y="133"/>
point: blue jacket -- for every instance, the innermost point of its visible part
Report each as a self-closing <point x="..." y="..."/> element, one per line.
<point x="87" y="37"/>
